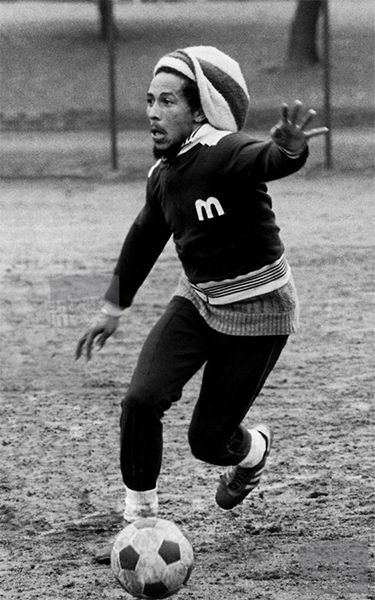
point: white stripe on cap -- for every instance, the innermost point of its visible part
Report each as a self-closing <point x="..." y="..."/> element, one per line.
<point x="215" y="107"/>
<point x="225" y="108"/>
<point x="224" y="62"/>
<point x="177" y="64"/>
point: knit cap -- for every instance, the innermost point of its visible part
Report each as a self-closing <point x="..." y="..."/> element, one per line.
<point x="222" y="88"/>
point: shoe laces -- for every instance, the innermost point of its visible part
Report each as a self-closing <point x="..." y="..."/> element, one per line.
<point x="237" y="478"/>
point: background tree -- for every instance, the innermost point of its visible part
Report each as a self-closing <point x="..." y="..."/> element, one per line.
<point x="104" y="16"/>
<point x="303" y="45"/>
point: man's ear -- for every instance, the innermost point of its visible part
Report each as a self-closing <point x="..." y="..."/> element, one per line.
<point x="199" y="116"/>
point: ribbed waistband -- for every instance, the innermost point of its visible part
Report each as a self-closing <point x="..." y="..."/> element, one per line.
<point x="264" y="280"/>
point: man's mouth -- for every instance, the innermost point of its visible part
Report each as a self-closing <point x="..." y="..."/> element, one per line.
<point x="157" y="133"/>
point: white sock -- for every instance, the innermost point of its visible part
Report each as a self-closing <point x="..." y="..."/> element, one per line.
<point x="257" y="450"/>
<point x="140" y="504"/>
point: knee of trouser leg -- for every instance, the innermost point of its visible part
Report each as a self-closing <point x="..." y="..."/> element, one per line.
<point x="144" y="398"/>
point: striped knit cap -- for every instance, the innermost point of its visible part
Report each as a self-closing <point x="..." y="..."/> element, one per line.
<point x="222" y="88"/>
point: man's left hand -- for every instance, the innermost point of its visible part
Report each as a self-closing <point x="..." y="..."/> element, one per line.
<point x="289" y="133"/>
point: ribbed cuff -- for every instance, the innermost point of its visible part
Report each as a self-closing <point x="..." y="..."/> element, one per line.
<point x="293" y="154"/>
<point x="112" y="310"/>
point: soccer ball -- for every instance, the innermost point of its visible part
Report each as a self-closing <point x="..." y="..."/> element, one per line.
<point x="151" y="558"/>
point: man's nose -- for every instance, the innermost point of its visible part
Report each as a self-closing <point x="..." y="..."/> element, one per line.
<point x="153" y="111"/>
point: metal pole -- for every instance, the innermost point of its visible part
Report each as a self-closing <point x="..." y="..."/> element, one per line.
<point x="112" y="86"/>
<point x="327" y="84"/>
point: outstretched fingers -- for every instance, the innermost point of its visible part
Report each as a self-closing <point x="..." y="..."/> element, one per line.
<point x="86" y="343"/>
<point x="285" y="113"/>
<point x="89" y="343"/>
<point x="309" y="116"/>
<point x="290" y="132"/>
<point x="102" y="338"/>
<point x="80" y="346"/>
<point x="315" y="132"/>
<point x="295" y="112"/>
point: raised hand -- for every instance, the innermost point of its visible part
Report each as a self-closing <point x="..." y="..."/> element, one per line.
<point x="99" y="332"/>
<point x="289" y="133"/>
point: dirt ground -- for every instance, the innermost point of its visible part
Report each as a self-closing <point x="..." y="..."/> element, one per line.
<point x="305" y="533"/>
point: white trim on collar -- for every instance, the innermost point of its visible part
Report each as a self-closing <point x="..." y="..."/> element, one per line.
<point x="205" y="135"/>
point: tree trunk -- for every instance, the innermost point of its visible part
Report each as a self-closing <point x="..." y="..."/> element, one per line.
<point x="302" y="49"/>
<point x="104" y="13"/>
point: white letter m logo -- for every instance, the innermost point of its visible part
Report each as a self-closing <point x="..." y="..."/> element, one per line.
<point x="204" y="208"/>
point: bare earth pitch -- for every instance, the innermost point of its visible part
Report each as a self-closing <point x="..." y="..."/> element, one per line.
<point x="60" y="483"/>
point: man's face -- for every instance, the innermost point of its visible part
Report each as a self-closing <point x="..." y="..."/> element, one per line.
<point x="171" y="118"/>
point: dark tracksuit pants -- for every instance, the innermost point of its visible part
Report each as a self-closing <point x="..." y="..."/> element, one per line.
<point x="175" y="349"/>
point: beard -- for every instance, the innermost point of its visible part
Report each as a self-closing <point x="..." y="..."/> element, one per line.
<point x="167" y="153"/>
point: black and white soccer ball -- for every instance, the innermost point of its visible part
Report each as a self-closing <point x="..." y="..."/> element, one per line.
<point x="151" y="558"/>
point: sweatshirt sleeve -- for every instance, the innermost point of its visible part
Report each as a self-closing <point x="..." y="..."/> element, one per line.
<point x="261" y="161"/>
<point x="143" y="244"/>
